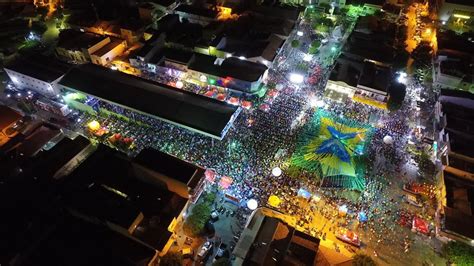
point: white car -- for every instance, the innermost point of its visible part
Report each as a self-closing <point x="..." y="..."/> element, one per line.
<point x="205" y="249"/>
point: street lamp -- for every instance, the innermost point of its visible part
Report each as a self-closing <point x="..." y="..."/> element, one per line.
<point x="252" y="204"/>
<point x="276" y="172"/>
<point x="296" y="78"/>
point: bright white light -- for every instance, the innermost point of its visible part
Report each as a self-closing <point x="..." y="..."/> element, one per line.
<point x="113" y="67"/>
<point x="307" y="57"/>
<point x="242" y="57"/>
<point x="402" y="77"/>
<point x="296" y="78"/>
<point x="443" y="22"/>
<point x="314" y="102"/>
<point x="18" y="94"/>
<point x="276" y="172"/>
<point x="9" y="95"/>
<point x="179" y="84"/>
<point x="299" y="33"/>
<point x="343" y="209"/>
<point x="228" y="55"/>
<point x="252" y="204"/>
<point x="79" y="120"/>
<point x="29" y="92"/>
<point x="14" y="79"/>
<point x="203" y="78"/>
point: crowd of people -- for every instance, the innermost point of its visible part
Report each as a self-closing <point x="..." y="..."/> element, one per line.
<point x="248" y="153"/>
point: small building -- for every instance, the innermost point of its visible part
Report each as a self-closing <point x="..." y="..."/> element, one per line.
<point x="105" y="55"/>
<point x="105" y="190"/>
<point x="151" y="11"/>
<point x="238" y="75"/>
<point x="37" y="73"/>
<point x="453" y="72"/>
<point x="262" y="51"/>
<point x="365" y="81"/>
<point x="76" y="46"/>
<point x="180" y="177"/>
<point x="457" y="15"/>
<point x="267" y="240"/>
<point x="196" y="14"/>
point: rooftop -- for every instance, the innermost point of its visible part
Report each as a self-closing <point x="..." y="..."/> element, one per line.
<point x="271" y="9"/>
<point x="375" y="76"/>
<point x="108" y="47"/>
<point x="460" y="127"/>
<point x="7" y="116"/>
<point x="449" y="40"/>
<point x="88" y="244"/>
<point x="269" y="241"/>
<point x="185" y="109"/>
<point x="196" y="10"/>
<point x="459" y="206"/>
<point x="104" y="186"/>
<point x="231" y="67"/>
<point x="76" y="40"/>
<point x="164" y="3"/>
<point x="346" y="70"/>
<point x="172" y="54"/>
<point x="48" y="162"/>
<point x="35" y="66"/>
<point x="168" y="165"/>
<point x="34" y="142"/>
<point x="460" y="2"/>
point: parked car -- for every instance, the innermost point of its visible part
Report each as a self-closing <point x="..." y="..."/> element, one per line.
<point x="205" y="249"/>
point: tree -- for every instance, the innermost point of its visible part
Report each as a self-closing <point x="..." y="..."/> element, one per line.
<point x="459" y="253"/>
<point x="172" y="259"/>
<point x="196" y="221"/>
<point x="295" y="43"/>
<point x="362" y="260"/>
<point x="321" y="28"/>
<point x="426" y="166"/>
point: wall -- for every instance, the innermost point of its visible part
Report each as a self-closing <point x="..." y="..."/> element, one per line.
<point x="29" y="83"/>
<point x="109" y="56"/>
<point x="153" y="177"/>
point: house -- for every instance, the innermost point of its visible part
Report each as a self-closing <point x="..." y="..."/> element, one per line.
<point x="77" y="46"/>
<point x="108" y="52"/>
<point x="238" y="75"/>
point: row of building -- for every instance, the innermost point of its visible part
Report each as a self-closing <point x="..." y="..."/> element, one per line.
<point x="65" y="197"/>
<point x="365" y="69"/>
<point x="455" y="151"/>
<point x="68" y="198"/>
